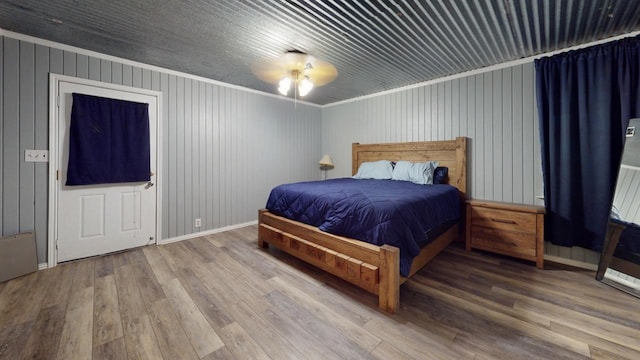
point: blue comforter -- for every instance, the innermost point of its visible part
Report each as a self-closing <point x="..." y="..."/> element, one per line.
<point x="397" y="213"/>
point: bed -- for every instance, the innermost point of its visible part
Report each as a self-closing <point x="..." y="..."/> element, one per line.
<point x="373" y="268"/>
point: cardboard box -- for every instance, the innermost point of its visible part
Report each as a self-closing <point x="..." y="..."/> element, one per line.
<point x="17" y="256"/>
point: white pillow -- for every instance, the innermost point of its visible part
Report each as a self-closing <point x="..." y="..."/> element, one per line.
<point x="379" y="170"/>
<point x="419" y="173"/>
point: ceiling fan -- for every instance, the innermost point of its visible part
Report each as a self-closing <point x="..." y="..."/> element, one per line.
<point x="296" y="68"/>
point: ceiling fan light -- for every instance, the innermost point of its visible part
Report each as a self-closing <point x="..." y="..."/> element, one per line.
<point x="305" y="86"/>
<point x="284" y="86"/>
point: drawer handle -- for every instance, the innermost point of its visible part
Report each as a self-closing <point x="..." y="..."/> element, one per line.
<point x="503" y="221"/>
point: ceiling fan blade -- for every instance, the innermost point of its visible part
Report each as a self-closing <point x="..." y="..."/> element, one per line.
<point x="322" y="72"/>
<point x="269" y="70"/>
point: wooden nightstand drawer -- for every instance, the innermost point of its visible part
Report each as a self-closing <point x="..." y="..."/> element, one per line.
<point x="503" y="219"/>
<point x="504" y="241"/>
<point x="508" y="229"/>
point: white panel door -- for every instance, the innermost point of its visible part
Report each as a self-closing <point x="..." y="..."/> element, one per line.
<point x="98" y="219"/>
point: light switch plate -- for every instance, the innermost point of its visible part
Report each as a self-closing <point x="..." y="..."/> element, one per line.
<point x="36" y="155"/>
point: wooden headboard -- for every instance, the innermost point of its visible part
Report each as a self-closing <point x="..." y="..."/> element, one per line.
<point x="449" y="153"/>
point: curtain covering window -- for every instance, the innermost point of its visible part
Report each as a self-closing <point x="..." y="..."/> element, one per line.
<point x="108" y="141"/>
<point x="585" y="100"/>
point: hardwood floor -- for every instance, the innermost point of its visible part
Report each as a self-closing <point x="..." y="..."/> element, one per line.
<point x="221" y="297"/>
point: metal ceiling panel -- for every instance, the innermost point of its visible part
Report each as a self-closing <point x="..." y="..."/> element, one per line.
<point x="375" y="45"/>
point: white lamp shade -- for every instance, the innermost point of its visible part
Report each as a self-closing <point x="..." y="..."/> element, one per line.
<point x="326" y="162"/>
<point x="305" y="86"/>
<point x="284" y="86"/>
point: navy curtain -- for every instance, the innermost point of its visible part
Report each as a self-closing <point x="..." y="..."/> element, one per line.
<point x="585" y="100"/>
<point x="108" y="141"/>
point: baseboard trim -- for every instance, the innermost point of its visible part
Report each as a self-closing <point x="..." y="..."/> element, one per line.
<point x="570" y="262"/>
<point x="205" y="233"/>
<point x="43" y="266"/>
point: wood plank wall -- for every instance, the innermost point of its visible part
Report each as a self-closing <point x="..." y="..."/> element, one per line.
<point x="223" y="148"/>
<point x="495" y="109"/>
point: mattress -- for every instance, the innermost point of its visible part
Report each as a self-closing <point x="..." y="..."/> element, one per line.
<point x="398" y="213"/>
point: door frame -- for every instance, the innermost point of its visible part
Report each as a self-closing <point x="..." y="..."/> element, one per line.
<point x="54" y="166"/>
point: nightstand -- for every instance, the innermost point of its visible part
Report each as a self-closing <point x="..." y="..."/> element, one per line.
<point x="508" y="229"/>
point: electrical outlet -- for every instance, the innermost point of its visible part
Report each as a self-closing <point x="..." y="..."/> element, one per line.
<point x="631" y="131"/>
<point x="198" y="223"/>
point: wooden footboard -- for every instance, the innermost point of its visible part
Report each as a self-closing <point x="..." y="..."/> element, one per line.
<point x="373" y="268"/>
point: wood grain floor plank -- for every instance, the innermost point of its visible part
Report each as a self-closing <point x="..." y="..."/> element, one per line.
<point x="519" y="325"/>
<point x="246" y="255"/>
<point x="308" y="323"/>
<point x="104" y="266"/>
<point x="130" y="302"/>
<point x="535" y="318"/>
<point x="211" y="306"/>
<point x="586" y="323"/>
<point x="349" y="330"/>
<point x="511" y="346"/>
<point x="150" y="288"/>
<point x="263" y="333"/>
<point x="338" y="301"/>
<point x="140" y="339"/>
<point x="107" y="325"/>
<point x="84" y="275"/>
<point x="135" y="256"/>
<point x="152" y="253"/>
<point x="39" y="290"/>
<point x="176" y="255"/>
<point x="241" y="344"/>
<point x="255" y="283"/>
<point x="77" y="333"/>
<point x="172" y="340"/>
<point x="557" y="295"/>
<point x="158" y="264"/>
<point x="601" y="354"/>
<point x="220" y="354"/>
<point x="45" y="334"/>
<point x="303" y="341"/>
<point x="238" y="285"/>
<point x="202" y="250"/>
<point x="13" y="339"/>
<point x="218" y="240"/>
<point x="385" y="350"/>
<point x="442" y="274"/>
<point x="209" y="276"/>
<point x="60" y="288"/>
<point x="112" y="350"/>
<point x="119" y="259"/>
<point x="15" y="293"/>
<point x="201" y="335"/>
<point x="607" y="346"/>
<point x="414" y="342"/>
<point x="475" y="334"/>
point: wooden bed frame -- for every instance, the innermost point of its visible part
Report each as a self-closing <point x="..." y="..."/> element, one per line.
<point x="373" y="268"/>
